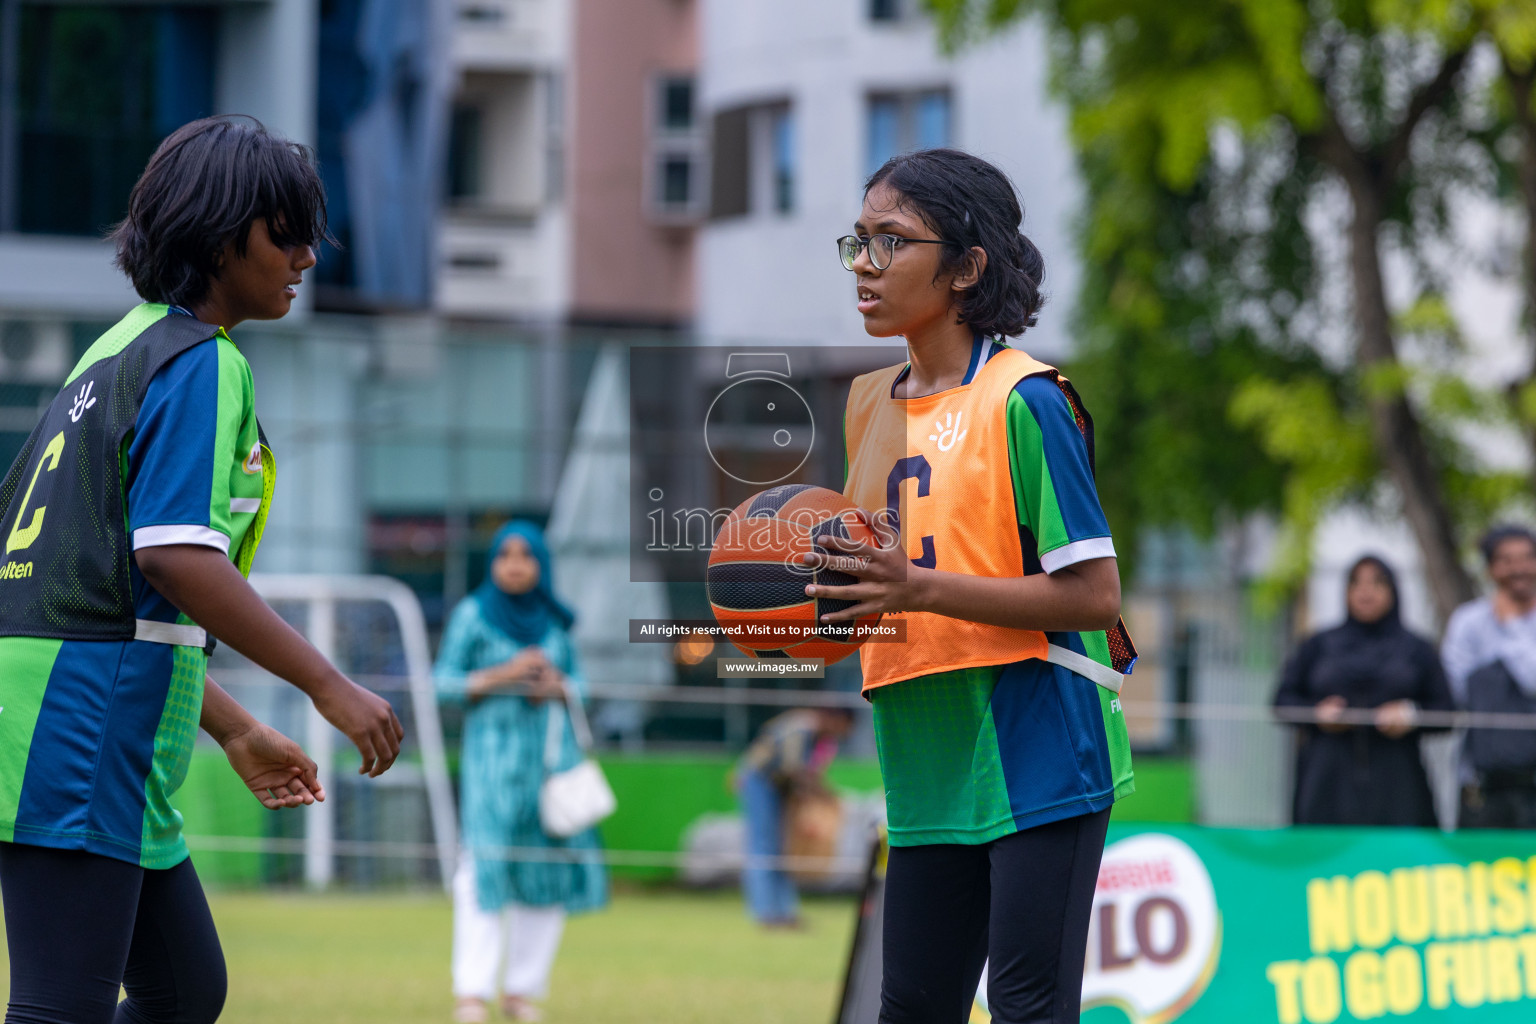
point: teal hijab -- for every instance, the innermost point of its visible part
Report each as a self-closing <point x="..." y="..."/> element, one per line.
<point x="528" y="616"/>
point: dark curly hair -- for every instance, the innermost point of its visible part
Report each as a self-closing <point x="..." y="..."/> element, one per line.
<point x="968" y="201"/>
<point x="204" y="187"/>
<point x="1489" y="543"/>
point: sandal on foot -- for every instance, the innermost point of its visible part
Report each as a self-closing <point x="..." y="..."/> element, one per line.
<point x="519" y="1009"/>
<point x="470" y="1010"/>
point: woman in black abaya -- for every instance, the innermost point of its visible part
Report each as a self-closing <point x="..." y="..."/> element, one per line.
<point x="1364" y="774"/>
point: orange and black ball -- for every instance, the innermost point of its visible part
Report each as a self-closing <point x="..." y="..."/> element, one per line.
<point x="757" y="577"/>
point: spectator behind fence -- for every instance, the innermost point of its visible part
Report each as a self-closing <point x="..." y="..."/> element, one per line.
<point x="790" y="755"/>
<point x="1490" y="658"/>
<point x="1358" y="774"/>
<point x="507" y="657"/>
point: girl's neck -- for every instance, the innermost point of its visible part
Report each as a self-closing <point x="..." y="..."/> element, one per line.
<point x="940" y="355"/>
<point x="212" y="311"/>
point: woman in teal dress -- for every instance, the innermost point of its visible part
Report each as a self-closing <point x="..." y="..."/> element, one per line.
<point x="507" y="658"/>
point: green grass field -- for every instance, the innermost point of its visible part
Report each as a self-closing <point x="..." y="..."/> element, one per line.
<point x="654" y="955"/>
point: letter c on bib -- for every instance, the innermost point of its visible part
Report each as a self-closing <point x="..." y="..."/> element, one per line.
<point x="913" y="467"/>
<point x="23" y="536"/>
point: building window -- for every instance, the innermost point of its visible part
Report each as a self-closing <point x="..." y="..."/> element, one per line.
<point x="97" y="88"/>
<point x="755" y="157"/>
<point x="730" y="193"/>
<point x="554" y="136"/>
<point x="676" y="102"/>
<point x="676" y="182"/>
<point x="930" y="121"/>
<point x="675" y="186"/>
<point x="884" y="131"/>
<point x="905" y="122"/>
<point x="465" y="130"/>
<point x="782" y="123"/>
<point x="885" y="10"/>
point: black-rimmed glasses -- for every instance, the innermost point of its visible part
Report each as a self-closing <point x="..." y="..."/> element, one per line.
<point x="881" y="248"/>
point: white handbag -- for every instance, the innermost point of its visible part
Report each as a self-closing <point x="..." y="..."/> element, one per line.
<point x="574" y="800"/>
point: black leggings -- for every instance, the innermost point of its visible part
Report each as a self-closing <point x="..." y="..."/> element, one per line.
<point x="1019" y="904"/>
<point x="79" y="925"/>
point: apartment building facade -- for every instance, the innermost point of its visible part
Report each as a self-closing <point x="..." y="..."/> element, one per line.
<point x="497" y="170"/>
<point x="86" y="91"/>
<point x="805" y="100"/>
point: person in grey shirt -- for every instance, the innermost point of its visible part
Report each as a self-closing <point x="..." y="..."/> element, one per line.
<point x="1499" y="628"/>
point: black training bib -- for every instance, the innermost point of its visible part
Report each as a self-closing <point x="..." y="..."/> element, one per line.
<point x="63" y="515"/>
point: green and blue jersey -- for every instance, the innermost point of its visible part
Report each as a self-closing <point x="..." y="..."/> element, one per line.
<point x="95" y="736"/>
<point x="973" y="755"/>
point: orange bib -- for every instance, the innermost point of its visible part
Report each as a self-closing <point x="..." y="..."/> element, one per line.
<point x="940" y="465"/>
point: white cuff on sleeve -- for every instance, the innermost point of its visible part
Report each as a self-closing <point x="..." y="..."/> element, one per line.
<point x="159" y="536"/>
<point x="1077" y="551"/>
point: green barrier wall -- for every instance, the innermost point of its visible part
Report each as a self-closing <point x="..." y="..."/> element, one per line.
<point x="1165" y="791"/>
<point x="214" y="802"/>
<point x="659" y="796"/>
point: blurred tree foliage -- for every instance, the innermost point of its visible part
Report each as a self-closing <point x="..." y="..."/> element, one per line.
<point x="1278" y="197"/>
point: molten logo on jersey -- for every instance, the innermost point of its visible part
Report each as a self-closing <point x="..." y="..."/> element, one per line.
<point x="949" y="432"/>
<point x="252" y="463"/>
<point x="1155" y="936"/>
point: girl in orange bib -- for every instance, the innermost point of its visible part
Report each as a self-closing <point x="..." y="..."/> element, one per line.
<point x="998" y="719"/>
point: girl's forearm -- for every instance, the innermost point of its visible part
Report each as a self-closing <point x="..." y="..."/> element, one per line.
<point x="204" y="584"/>
<point x="1079" y="598"/>
<point x="223" y="718"/>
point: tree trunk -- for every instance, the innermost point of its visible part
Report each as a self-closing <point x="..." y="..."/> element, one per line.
<point x="1398" y="435"/>
<point x="1520" y="86"/>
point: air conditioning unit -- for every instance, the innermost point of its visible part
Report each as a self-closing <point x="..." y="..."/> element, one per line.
<point x="35" y="351"/>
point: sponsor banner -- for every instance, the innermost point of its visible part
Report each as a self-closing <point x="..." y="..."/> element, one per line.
<point x="1312" y="926"/>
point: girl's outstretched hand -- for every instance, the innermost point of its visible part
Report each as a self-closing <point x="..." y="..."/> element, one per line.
<point x="274" y="768"/>
<point x="366" y="719"/>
